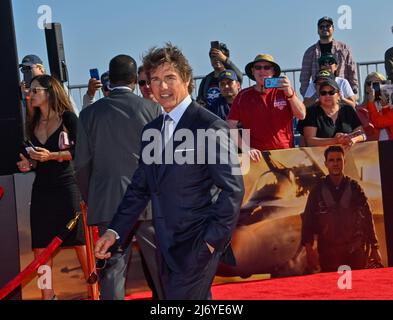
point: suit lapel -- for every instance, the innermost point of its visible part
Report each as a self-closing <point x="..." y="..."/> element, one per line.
<point x="186" y="122"/>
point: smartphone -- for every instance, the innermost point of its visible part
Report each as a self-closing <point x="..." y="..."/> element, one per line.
<point x="27" y="76"/>
<point x="377" y="89"/>
<point x="215" y="44"/>
<point x="273" y="82"/>
<point x="94" y="74"/>
<point x="29" y="146"/>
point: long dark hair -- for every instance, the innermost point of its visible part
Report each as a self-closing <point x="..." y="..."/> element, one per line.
<point x="58" y="101"/>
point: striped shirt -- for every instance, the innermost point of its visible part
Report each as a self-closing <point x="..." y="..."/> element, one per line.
<point x="346" y="67"/>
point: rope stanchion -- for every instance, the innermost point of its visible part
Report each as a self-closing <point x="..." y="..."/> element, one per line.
<point x="40" y="260"/>
<point x="91" y="262"/>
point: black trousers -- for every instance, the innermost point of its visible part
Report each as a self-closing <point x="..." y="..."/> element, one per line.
<point x="193" y="283"/>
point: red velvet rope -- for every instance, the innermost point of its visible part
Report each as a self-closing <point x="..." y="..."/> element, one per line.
<point x="32" y="267"/>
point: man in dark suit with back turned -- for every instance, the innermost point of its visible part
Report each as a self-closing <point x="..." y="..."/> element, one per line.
<point x="195" y="204"/>
<point x="108" y="143"/>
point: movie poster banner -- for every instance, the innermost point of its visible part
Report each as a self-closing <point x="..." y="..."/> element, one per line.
<point x="267" y="239"/>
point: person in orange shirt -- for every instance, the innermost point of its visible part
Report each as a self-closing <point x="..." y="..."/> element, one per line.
<point x="382" y="117"/>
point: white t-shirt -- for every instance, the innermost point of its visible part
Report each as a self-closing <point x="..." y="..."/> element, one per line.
<point x="345" y="88"/>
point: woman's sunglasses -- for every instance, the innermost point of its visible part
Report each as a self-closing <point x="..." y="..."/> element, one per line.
<point x="325" y="93"/>
<point x="142" y="83"/>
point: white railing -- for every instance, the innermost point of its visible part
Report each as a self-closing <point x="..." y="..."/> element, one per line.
<point x="363" y="68"/>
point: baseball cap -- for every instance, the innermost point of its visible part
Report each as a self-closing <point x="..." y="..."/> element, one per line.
<point x="324" y="75"/>
<point x="29" y="60"/>
<point x="227" y="74"/>
<point x="330" y="82"/>
<point x="325" y="19"/>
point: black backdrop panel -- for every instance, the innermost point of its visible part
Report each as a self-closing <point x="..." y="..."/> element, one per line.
<point x="11" y="124"/>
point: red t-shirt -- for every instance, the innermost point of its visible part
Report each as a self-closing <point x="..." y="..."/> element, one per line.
<point x="268" y="116"/>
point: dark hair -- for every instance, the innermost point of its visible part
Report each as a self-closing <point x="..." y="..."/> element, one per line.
<point x="58" y="100"/>
<point x="171" y="54"/>
<point x="140" y="69"/>
<point x="223" y="49"/>
<point x="333" y="149"/>
<point x="122" y="70"/>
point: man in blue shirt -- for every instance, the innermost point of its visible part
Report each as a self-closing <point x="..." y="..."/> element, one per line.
<point x="229" y="88"/>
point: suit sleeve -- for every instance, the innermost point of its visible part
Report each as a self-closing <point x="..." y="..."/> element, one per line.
<point x="83" y="159"/>
<point x="225" y="211"/>
<point x="134" y="202"/>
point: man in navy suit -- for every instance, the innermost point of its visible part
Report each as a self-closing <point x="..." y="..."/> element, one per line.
<point x="196" y="190"/>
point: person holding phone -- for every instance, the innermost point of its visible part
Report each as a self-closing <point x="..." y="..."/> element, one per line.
<point x="372" y="132"/>
<point x="96" y="83"/>
<point x="267" y="112"/>
<point x="380" y="112"/>
<point x="55" y="196"/>
<point x="209" y="89"/>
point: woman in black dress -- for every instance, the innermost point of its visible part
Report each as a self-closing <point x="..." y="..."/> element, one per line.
<point x="55" y="195"/>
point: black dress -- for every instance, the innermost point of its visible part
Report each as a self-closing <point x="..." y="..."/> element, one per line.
<point x="55" y="196"/>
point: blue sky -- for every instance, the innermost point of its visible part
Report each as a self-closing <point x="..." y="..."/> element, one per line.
<point x="94" y="31"/>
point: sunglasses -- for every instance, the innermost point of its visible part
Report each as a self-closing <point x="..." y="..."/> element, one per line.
<point x="329" y="62"/>
<point x="325" y="93"/>
<point x="35" y="90"/>
<point x="142" y="83"/>
<point x="263" y="67"/>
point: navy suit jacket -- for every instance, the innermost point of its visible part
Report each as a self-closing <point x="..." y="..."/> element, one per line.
<point x="192" y="203"/>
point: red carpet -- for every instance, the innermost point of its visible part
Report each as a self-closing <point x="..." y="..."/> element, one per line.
<point x="372" y="284"/>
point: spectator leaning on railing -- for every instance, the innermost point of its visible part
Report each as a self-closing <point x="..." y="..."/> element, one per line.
<point x="329" y="122"/>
